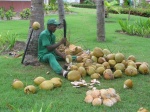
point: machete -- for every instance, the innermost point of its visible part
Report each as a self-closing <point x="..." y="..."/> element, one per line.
<point x="27" y="46"/>
<point x="65" y="29"/>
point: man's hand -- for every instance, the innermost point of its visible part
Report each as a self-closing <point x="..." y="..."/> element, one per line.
<point x="63" y="40"/>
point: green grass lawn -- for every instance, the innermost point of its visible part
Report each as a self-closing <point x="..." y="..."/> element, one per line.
<point x="81" y="27"/>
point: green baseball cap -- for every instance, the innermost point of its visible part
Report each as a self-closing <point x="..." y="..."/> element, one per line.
<point x="53" y="21"/>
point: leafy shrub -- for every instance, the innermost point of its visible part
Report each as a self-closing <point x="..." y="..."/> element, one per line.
<point x="140" y="27"/>
<point x="2" y="13"/>
<point x="9" y="14"/>
<point x="25" y="14"/>
<point x="7" y="41"/>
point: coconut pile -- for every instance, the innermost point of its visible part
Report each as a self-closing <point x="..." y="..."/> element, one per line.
<point x="107" y="97"/>
<point x="101" y="62"/>
<point x="41" y="82"/>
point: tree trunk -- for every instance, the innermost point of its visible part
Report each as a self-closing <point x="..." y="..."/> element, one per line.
<point x="100" y="20"/>
<point x="61" y="11"/>
<point x="37" y="14"/>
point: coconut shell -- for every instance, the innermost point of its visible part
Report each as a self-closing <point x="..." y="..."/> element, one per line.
<point x="95" y="93"/>
<point x="97" y="102"/>
<point x="88" y="99"/>
<point x="108" y="102"/>
<point x="104" y="94"/>
<point x="112" y="92"/>
<point x="68" y="58"/>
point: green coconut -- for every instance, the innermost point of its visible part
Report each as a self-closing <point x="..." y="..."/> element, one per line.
<point x="74" y="75"/>
<point x="98" y="52"/>
<point x="119" y="66"/>
<point x="110" y="57"/>
<point x="101" y="60"/>
<point x="119" y="57"/>
<point x="88" y="62"/>
<point x="106" y="65"/>
<point x="90" y="70"/>
<point x="100" y="70"/>
<point x="73" y="67"/>
<point x="17" y="84"/>
<point x="143" y="69"/>
<point x="30" y="89"/>
<point x="82" y="71"/>
<point x="112" y="63"/>
<point x="94" y="58"/>
<point x="108" y="74"/>
<point x="36" y="25"/>
<point x="132" y="57"/>
<point x="46" y="85"/>
<point x="79" y="59"/>
<point x="131" y="71"/>
<point x="118" y="73"/>
<point x="56" y="81"/>
<point x="106" y="52"/>
<point x="128" y="84"/>
<point x="39" y="80"/>
<point x="95" y="76"/>
<point x="132" y="63"/>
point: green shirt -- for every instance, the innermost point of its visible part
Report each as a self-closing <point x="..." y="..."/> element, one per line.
<point x="45" y="39"/>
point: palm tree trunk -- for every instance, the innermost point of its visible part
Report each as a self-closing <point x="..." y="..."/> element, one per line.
<point x="37" y="14"/>
<point x="100" y="20"/>
<point x="61" y="11"/>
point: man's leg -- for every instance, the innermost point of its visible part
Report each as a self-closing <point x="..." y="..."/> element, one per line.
<point x="54" y="64"/>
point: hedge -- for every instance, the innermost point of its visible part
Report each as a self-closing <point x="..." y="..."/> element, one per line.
<point x="133" y="11"/>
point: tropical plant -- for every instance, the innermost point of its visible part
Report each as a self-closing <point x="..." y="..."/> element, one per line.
<point x="110" y="5"/>
<point x="7" y="41"/>
<point x="9" y="14"/>
<point x="25" y="14"/>
<point x="2" y="13"/>
<point x="140" y="27"/>
<point x="88" y="2"/>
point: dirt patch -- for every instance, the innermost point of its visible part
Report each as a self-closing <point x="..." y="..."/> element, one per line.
<point x="19" y="46"/>
<point x="16" y="50"/>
